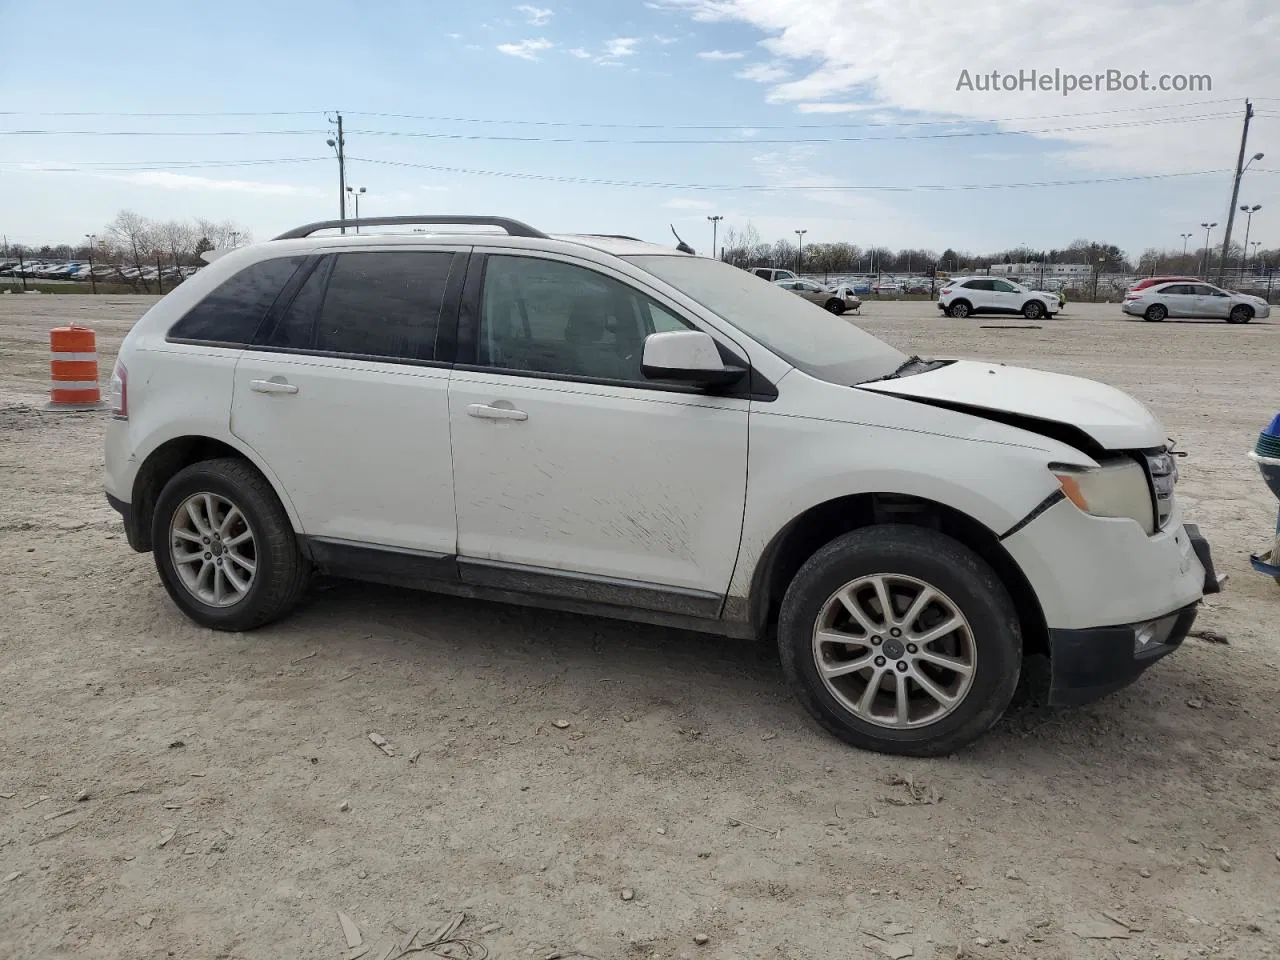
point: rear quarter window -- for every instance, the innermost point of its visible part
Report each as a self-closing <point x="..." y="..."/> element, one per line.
<point x="231" y="313"/>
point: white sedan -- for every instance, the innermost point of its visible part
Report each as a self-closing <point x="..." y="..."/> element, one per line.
<point x="1200" y="300"/>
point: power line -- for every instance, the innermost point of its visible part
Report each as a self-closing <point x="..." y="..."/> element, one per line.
<point x="664" y="141"/>
<point x="779" y="126"/>
<point x="611" y="125"/>
<point x="162" y="133"/>
<point x="595" y="181"/>
<point x="758" y="141"/>
<point x="201" y="113"/>
<point x="111" y="166"/>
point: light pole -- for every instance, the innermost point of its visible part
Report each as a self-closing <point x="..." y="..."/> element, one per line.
<point x="715" y="223"/>
<point x="1256" y="245"/>
<point x="1207" y="227"/>
<point x="1248" y="211"/>
<point x="1097" y="274"/>
<point x="1185" y="237"/>
<point x="235" y="236"/>
<point x="355" y="195"/>
<point x="93" y="281"/>
<point x="800" y="251"/>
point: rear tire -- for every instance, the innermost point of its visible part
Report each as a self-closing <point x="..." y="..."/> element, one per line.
<point x="835" y="306"/>
<point x="1240" y="313"/>
<point x="224" y="547"/>
<point x="905" y="559"/>
<point x="960" y="309"/>
<point x="1155" y="313"/>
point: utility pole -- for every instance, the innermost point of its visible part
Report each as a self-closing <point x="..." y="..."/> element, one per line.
<point x="800" y="251"/>
<point x="1235" y="194"/>
<point x="715" y="223"/>
<point x="339" y="146"/>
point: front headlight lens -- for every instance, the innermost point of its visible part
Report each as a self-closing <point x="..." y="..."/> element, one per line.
<point x="1116" y="489"/>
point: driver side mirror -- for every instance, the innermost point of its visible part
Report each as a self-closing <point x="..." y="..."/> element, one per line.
<point x="689" y="356"/>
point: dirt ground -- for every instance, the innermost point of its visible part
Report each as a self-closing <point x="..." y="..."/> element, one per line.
<point x="235" y="802"/>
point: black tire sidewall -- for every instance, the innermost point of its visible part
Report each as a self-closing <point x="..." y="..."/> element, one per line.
<point x="263" y="517"/>
<point x="951" y="310"/>
<point x="1034" y="310"/>
<point x="1155" y="313"/>
<point x="835" y="307"/>
<point x="1240" y="314"/>
<point x="944" y="564"/>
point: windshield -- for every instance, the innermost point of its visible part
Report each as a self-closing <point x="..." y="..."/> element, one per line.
<point x="801" y="333"/>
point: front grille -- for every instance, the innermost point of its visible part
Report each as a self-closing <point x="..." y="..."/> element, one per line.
<point x="1162" y="474"/>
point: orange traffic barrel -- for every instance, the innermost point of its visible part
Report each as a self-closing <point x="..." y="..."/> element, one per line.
<point x="73" y="361"/>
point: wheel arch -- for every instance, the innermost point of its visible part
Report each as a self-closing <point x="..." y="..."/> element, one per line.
<point x="817" y="526"/>
<point x="172" y="455"/>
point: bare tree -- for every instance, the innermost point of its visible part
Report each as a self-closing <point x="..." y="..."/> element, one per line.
<point x="133" y="234"/>
<point x="178" y="239"/>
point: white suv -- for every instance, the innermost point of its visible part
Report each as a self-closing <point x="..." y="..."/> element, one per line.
<point x="968" y="295"/>
<point x="612" y="427"/>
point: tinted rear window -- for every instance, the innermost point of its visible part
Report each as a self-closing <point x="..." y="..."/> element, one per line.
<point x="232" y="311"/>
<point x="384" y="304"/>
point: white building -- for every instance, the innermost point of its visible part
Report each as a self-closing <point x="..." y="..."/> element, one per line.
<point x="1050" y="269"/>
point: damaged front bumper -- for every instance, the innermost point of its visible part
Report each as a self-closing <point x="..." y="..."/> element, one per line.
<point x="1094" y="662"/>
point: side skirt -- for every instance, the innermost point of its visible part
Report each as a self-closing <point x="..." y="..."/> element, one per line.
<point x="523" y="585"/>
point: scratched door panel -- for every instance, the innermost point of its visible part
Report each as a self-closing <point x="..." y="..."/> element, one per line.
<point x="608" y="480"/>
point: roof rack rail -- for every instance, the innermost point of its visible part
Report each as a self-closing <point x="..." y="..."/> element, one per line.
<point x="514" y="228"/>
<point x="611" y="236"/>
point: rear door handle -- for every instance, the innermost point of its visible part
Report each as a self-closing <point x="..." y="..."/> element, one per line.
<point x="485" y="412"/>
<point x="272" y="386"/>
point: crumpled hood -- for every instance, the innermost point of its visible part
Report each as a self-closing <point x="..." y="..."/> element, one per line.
<point x="1112" y="418"/>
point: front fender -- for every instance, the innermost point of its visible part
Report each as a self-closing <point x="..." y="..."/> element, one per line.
<point x="796" y="464"/>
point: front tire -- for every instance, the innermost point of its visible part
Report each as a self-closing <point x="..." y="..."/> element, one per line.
<point x="224" y="547"/>
<point x="1155" y="313"/>
<point x="901" y="683"/>
<point x="835" y="306"/>
<point x="1033" y="310"/>
<point x="1240" y="314"/>
<point x="960" y="309"/>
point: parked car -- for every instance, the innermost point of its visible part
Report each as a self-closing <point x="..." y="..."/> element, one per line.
<point x="963" y="296"/>
<point x="829" y="298"/>
<point x="773" y="274"/>
<point x="1156" y="281"/>
<point x="1198" y="299"/>
<point x="613" y="427"/>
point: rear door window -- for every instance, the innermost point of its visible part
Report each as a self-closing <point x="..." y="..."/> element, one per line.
<point x="232" y="312"/>
<point x="384" y="305"/>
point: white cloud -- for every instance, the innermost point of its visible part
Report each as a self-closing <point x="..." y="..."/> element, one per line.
<point x="721" y="54"/>
<point x="525" y="49"/>
<point x="186" y="181"/>
<point x="536" y="16"/>
<point x="580" y="53"/>
<point x="685" y="203"/>
<point x="454" y="36"/>
<point x="659" y="38"/>
<point x="748" y="132"/>
<point x="620" y="47"/>
<point x="909" y="57"/>
<point x="764" y="73"/>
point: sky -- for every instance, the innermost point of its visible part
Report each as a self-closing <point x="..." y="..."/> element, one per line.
<point x="868" y="121"/>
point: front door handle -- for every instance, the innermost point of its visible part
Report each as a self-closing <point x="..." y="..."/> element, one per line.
<point x="485" y="412"/>
<point x="279" y="385"/>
